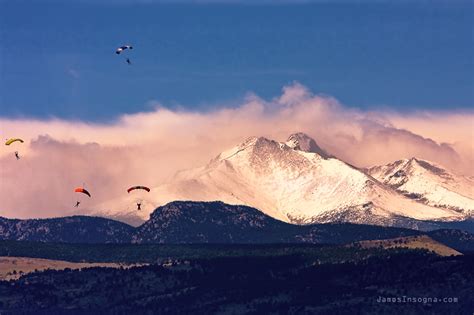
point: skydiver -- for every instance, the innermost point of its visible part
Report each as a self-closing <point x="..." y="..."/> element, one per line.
<point x="77" y="204"/>
<point x="128" y="61"/>
<point x="139" y="204"/>
<point x="17" y="155"/>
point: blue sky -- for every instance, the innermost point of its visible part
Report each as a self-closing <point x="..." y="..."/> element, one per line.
<point x="58" y="59"/>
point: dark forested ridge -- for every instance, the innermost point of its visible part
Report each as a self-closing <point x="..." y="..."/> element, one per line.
<point x="74" y="229"/>
<point x="217" y="222"/>
<point x="152" y="253"/>
<point x="287" y="284"/>
<point x="458" y="239"/>
<point x="207" y="258"/>
<point x="186" y="222"/>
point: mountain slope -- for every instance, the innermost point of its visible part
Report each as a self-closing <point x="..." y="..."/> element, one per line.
<point x="428" y="183"/>
<point x="295" y="181"/>
<point x="75" y="229"/>
<point x="457" y="239"/>
<point x="192" y="222"/>
<point x="14" y="267"/>
<point x="217" y="222"/>
<point x="414" y="242"/>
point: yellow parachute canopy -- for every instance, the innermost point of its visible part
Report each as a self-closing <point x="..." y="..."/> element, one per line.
<point x="10" y="141"/>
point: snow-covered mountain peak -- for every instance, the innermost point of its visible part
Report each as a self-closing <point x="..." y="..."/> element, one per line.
<point x="296" y="181"/>
<point x="428" y="182"/>
<point x="427" y="166"/>
<point x="262" y="149"/>
<point x="247" y="147"/>
<point x="397" y="173"/>
<point x="302" y="142"/>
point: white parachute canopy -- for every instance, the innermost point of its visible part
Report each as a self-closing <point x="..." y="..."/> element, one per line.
<point x="122" y="48"/>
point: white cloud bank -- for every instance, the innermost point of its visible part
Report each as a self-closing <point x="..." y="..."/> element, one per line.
<point x="147" y="148"/>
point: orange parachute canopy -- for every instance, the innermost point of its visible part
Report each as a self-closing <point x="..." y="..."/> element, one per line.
<point x="82" y="190"/>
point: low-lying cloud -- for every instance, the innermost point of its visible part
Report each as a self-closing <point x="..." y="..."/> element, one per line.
<point x="148" y="148"/>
